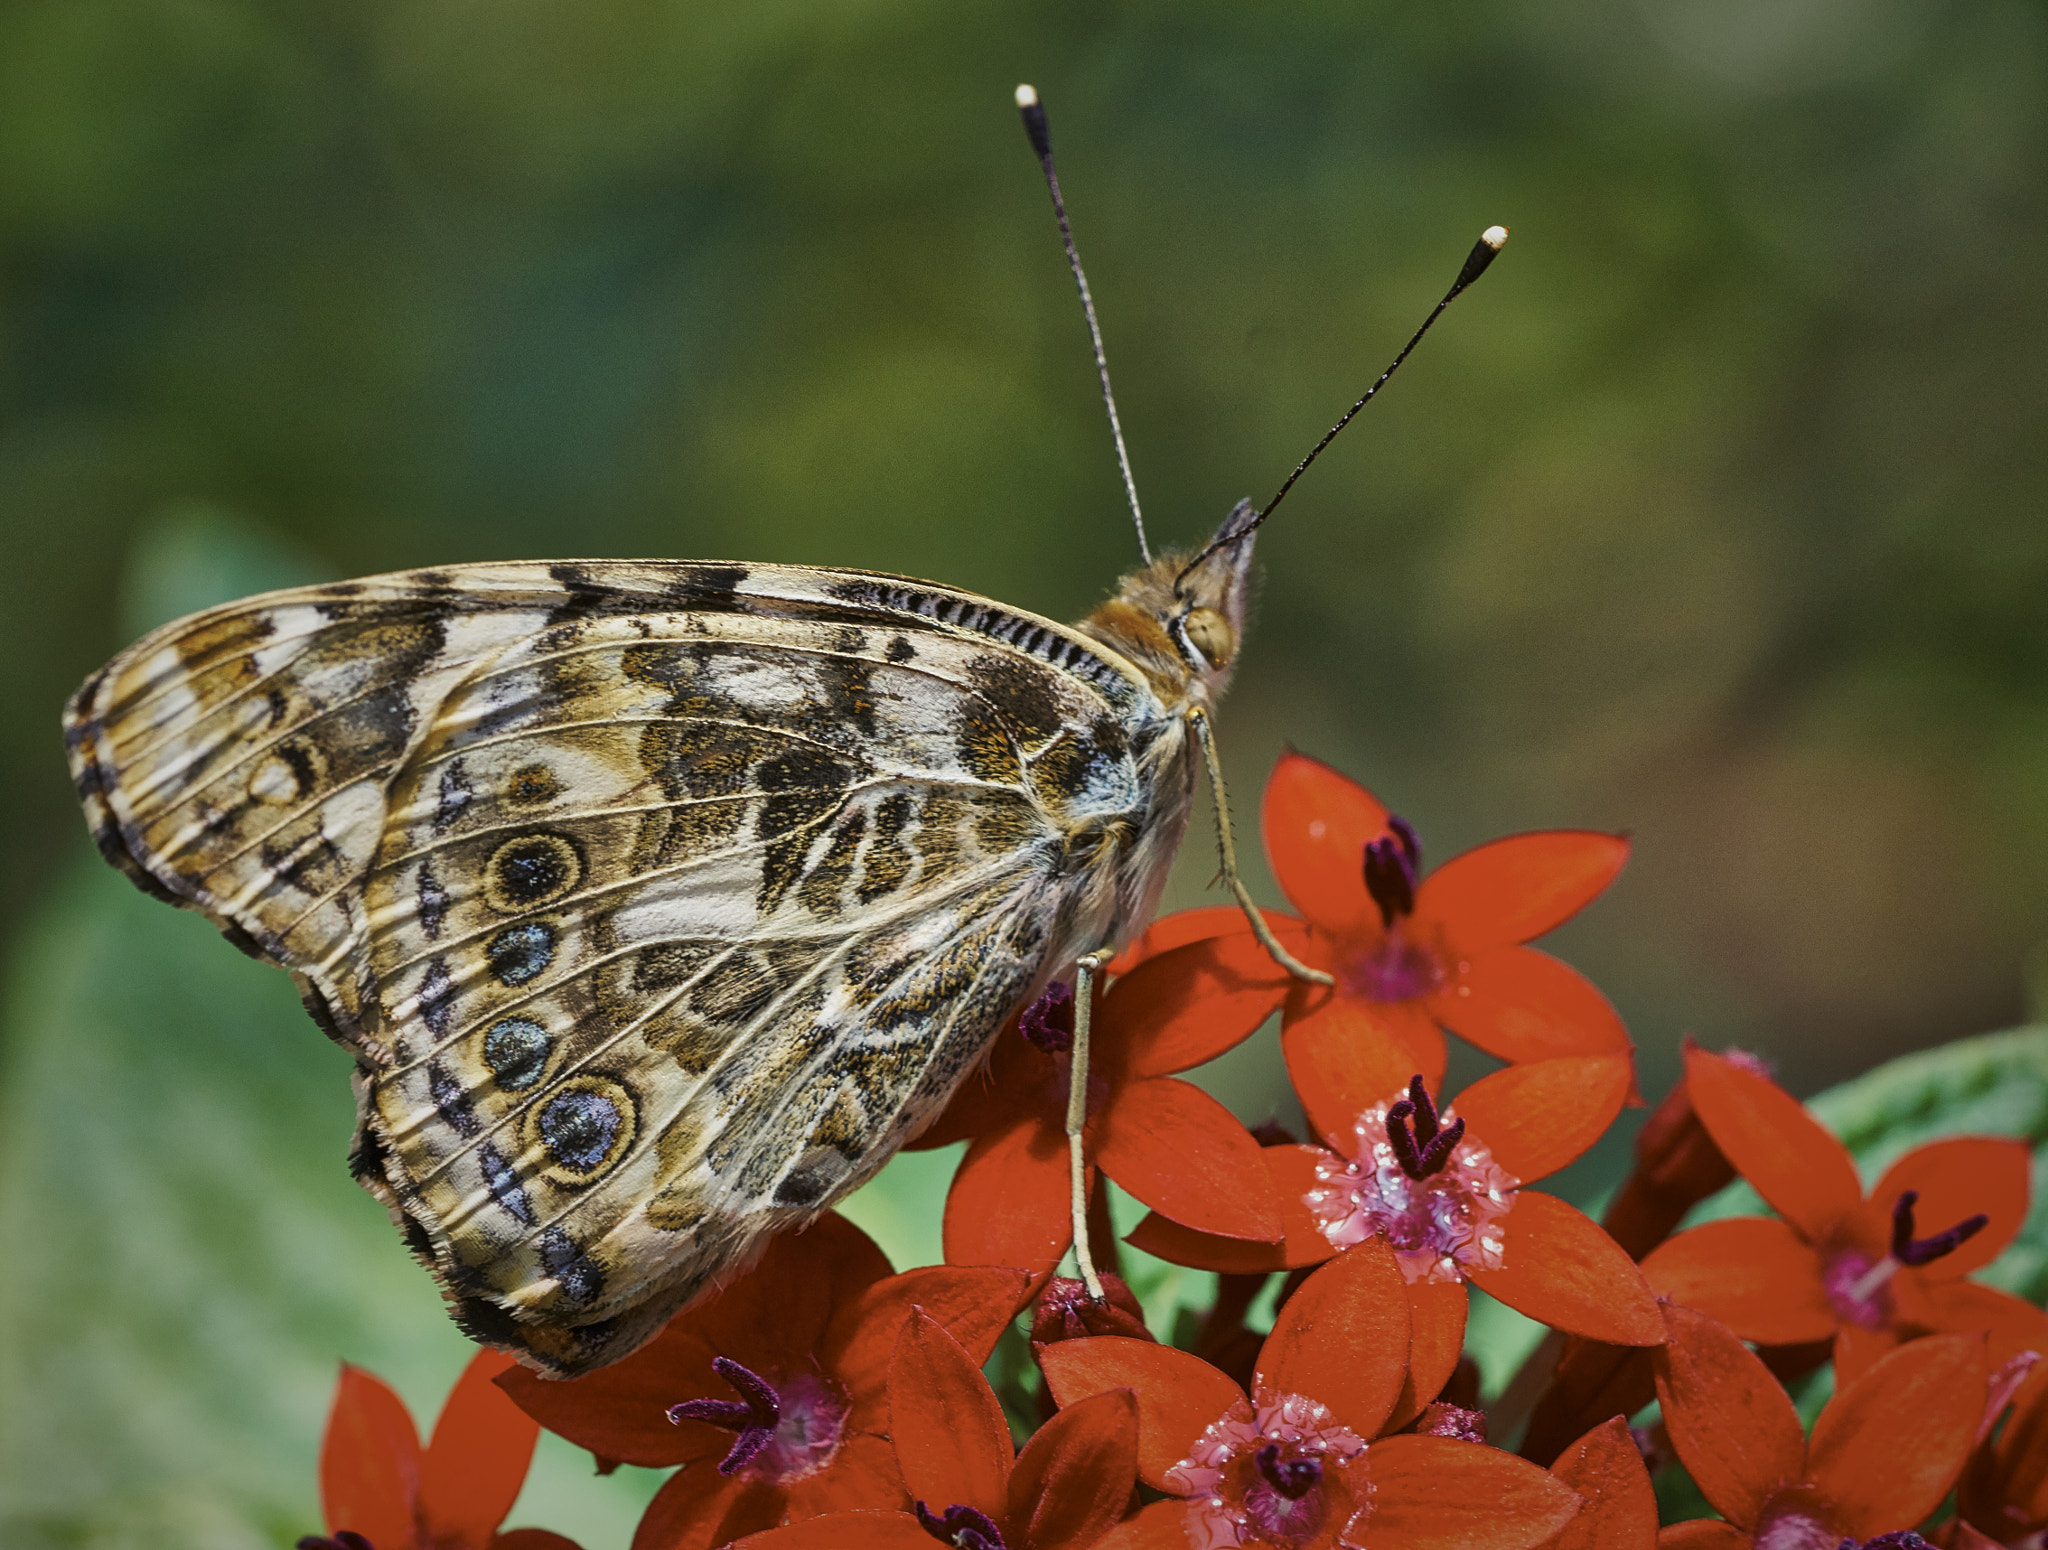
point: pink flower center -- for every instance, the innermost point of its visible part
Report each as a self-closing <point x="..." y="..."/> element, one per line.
<point x="1270" y="1477"/>
<point x="1858" y="1286"/>
<point x="1796" y="1519"/>
<point x="1434" y="1193"/>
<point x="788" y="1430"/>
<point x="1394" y="969"/>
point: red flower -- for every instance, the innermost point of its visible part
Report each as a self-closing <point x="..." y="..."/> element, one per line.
<point x="1447" y="1189"/>
<point x="1413" y="955"/>
<point x="1304" y="1462"/>
<point x="1164" y="1140"/>
<point x="2002" y="1498"/>
<point x="1065" y="1491"/>
<point x="774" y="1393"/>
<point x="1884" y="1452"/>
<point x="379" y="1488"/>
<point x="1606" y="1468"/>
<point x="1865" y="1273"/>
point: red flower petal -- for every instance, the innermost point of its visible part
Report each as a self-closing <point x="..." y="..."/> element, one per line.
<point x="972" y="1304"/>
<point x="1193" y="1003"/>
<point x="952" y="1442"/>
<point x="1560" y="1269"/>
<point x="1957" y="1178"/>
<point x="1186" y="1156"/>
<point x="1511" y="890"/>
<point x="1431" y="1493"/>
<point x="1522" y="1004"/>
<point x="1606" y="1469"/>
<point x="1010" y="1201"/>
<point x="1342" y="1339"/>
<point x="1857" y="1350"/>
<point x="1805" y="1173"/>
<point x="533" y="1539"/>
<point x="1753" y="1273"/>
<point x="1436" y="1323"/>
<point x="1345" y="1055"/>
<point x="1290" y="1175"/>
<point x="1964" y="1537"/>
<point x="772" y="1317"/>
<point x="862" y="1476"/>
<point x="1178" y="1394"/>
<point x="1075" y="1476"/>
<point x="370" y="1461"/>
<point x="1889" y="1446"/>
<point x="1161" y="1526"/>
<point x="1181" y="928"/>
<point x="866" y="1530"/>
<point x="1317" y="824"/>
<point x="1734" y="1428"/>
<point x="472" y="1470"/>
<point x="699" y="1508"/>
<point x="1702" y="1534"/>
<point x="2011" y="1324"/>
<point x="1539" y="1117"/>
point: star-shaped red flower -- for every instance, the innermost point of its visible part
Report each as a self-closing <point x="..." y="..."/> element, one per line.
<point x="1865" y="1273"/>
<point x="1458" y="1209"/>
<point x="774" y="1393"/>
<point x="1303" y="1462"/>
<point x="378" y="1485"/>
<point x="968" y="1483"/>
<point x="1414" y="954"/>
<point x="1883" y="1454"/>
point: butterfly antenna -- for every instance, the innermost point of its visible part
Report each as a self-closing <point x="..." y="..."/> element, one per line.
<point x="1490" y="242"/>
<point x="1041" y="142"/>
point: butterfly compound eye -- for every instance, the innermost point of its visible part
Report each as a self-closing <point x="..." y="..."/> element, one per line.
<point x="1210" y="633"/>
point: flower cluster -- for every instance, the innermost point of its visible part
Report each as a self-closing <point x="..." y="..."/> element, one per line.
<point x="825" y="1401"/>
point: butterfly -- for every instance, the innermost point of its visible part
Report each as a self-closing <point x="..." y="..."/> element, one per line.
<point x="659" y="902"/>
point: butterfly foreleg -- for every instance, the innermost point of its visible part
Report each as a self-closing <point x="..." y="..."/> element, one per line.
<point x="1086" y="968"/>
<point x="1198" y="721"/>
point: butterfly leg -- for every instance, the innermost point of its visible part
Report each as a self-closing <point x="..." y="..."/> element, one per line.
<point x="1205" y="735"/>
<point x="1085" y="969"/>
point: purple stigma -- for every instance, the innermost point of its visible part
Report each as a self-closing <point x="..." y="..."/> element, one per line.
<point x="1393" y="865"/>
<point x="1427" y="1148"/>
<point x="342" y="1539"/>
<point x="754" y="1418"/>
<point x="962" y="1527"/>
<point x="1049" y="1021"/>
<point x="1897" y="1539"/>
<point x="1293" y="1479"/>
<point x="1909" y="1250"/>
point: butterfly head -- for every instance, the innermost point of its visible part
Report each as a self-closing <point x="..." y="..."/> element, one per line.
<point x="1183" y="624"/>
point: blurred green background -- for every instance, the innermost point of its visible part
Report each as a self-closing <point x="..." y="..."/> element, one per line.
<point x="1712" y="514"/>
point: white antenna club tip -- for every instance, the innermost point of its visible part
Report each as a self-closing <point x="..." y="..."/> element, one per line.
<point x="1027" y="97"/>
<point x="1494" y="237"/>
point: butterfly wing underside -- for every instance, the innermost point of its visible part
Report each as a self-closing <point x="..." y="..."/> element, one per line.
<point x="659" y="902"/>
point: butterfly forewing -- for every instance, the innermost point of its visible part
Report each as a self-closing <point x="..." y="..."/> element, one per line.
<point x="660" y="902"/>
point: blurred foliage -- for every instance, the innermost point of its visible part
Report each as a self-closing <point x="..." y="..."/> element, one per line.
<point x="1712" y="514"/>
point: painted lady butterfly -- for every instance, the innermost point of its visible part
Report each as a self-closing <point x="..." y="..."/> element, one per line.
<point x="658" y="902"/>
